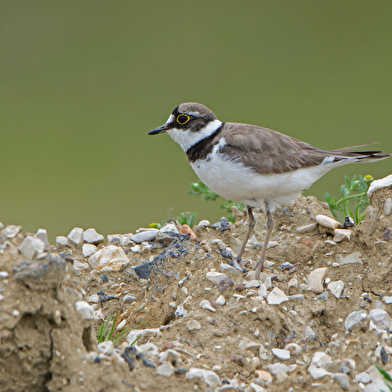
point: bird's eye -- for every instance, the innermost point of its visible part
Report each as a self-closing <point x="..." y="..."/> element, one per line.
<point x="182" y="119"/>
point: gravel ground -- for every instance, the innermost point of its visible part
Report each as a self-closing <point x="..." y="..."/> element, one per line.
<point x="318" y="318"/>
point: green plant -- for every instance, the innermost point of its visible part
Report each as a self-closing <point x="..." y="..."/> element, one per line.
<point x="387" y="378"/>
<point x="354" y="198"/>
<point x="103" y="335"/>
<point x="198" y="188"/>
<point x="187" y="218"/>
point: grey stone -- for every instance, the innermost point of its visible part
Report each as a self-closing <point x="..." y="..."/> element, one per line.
<point x="61" y="241"/>
<point x="317" y="372"/>
<point x="354" y="319"/>
<point x="4" y="274"/>
<point x="88" y="250"/>
<point x="165" y="370"/>
<point x="381" y="319"/>
<point x="215" y="277"/>
<point x="388" y="206"/>
<point x="309" y="334"/>
<point x="276" y="297"/>
<point x="210" y="377"/>
<point x="228" y="269"/>
<point x="75" y="237"/>
<point x="363" y="377"/>
<point x="277" y="367"/>
<point x="31" y="247"/>
<point x="343" y="380"/>
<point x="316" y="279"/>
<point x="353" y="258"/>
<point x="283" y="355"/>
<point x="109" y="258"/>
<point x="12" y="231"/>
<point x="129" y="298"/>
<point x="336" y="288"/>
<point x="43" y="236"/>
<point x="92" y="237"/>
<point x="146" y="235"/>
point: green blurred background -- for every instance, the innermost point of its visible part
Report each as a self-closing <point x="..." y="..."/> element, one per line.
<point x="82" y="83"/>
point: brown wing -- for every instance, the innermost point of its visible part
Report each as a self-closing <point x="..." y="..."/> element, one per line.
<point x="268" y="151"/>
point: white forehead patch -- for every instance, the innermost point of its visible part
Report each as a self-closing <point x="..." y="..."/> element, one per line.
<point x="186" y="139"/>
<point x="170" y="119"/>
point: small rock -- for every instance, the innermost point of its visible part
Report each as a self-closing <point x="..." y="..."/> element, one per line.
<point x="106" y="348"/>
<point x="4" y="274"/>
<point x="42" y="234"/>
<point x="88" y="250"/>
<point x="317" y="372"/>
<point x="327" y="222"/>
<point x="110" y="258"/>
<point x="238" y="359"/>
<point x="31" y="247"/>
<point x="309" y="334"/>
<point x="388" y="206"/>
<point x="252" y="283"/>
<point x="210" y="377"/>
<point x="148" y="363"/>
<point x="228" y="269"/>
<point x="343" y="380"/>
<point x="256" y="388"/>
<point x="92" y="237"/>
<point x="85" y="310"/>
<point x="205" y="304"/>
<point x="78" y="266"/>
<point x="169" y="356"/>
<point x="169" y="228"/>
<point x="262" y="291"/>
<point x="94" y="299"/>
<point x="165" y="370"/>
<point x="316" y="279"/>
<point x="146" y="235"/>
<point x="336" y="288"/>
<point x="381" y="319"/>
<point x="307" y="229"/>
<point x="129" y="298"/>
<point x="247" y="344"/>
<point x="192" y="325"/>
<point x="121" y="325"/>
<point x="224" y="224"/>
<point x="204" y="223"/>
<point x="278" y="367"/>
<point x="353" y="258"/>
<point x="319" y="359"/>
<point x="264" y="375"/>
<point x="215" y="277"/>
<point x="363" y="377"/>
<point x="276" y="297"/>
<point x="387" y="300"/>
<point x="354" y="319"/>
<point x="61" y="241"/>
<point x="293" y="283"/>
<point x="12" y="231"/>
<point x="342" y="234"/>
<point x="283" y="355"/>
<point x="294" y="349"/>
<point x="185" y="229"/>
<point x="75" y="237"/>
<point x="221" y="300"/>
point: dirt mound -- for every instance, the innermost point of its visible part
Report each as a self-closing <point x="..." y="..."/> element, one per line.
<point x="318" y="317"/>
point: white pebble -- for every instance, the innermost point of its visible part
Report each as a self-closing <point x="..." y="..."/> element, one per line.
<point x="88" y="250"/>
<point x="336" y="288"/>
<point x="276" y="297"/>
<point x="283" y="355"/>
<point x="221" y="300"/>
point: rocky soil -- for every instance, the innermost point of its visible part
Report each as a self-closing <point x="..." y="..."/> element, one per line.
<point x="318" y="318"/>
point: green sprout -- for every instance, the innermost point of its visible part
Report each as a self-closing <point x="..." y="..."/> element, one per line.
<point x="103" y="335"/>
<point x="354" y="198"/>
<point x="187" y="218"/>
<point x="387" y="378"/>
<point x="198" y="188"/>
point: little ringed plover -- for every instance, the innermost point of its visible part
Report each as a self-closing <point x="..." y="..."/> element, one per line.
<point x="252" y="165"/>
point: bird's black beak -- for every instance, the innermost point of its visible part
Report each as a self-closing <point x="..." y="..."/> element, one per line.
<point x="161" y="129"/>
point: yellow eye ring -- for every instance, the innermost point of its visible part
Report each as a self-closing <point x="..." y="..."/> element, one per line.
<point x="182" y="119"/>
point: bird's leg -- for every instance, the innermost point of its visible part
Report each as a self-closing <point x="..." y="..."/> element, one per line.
<point x="251" y="228"/>
<point x="270" y="226"/>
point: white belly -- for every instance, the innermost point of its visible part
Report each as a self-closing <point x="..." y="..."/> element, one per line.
<point x="233" y="181"/>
